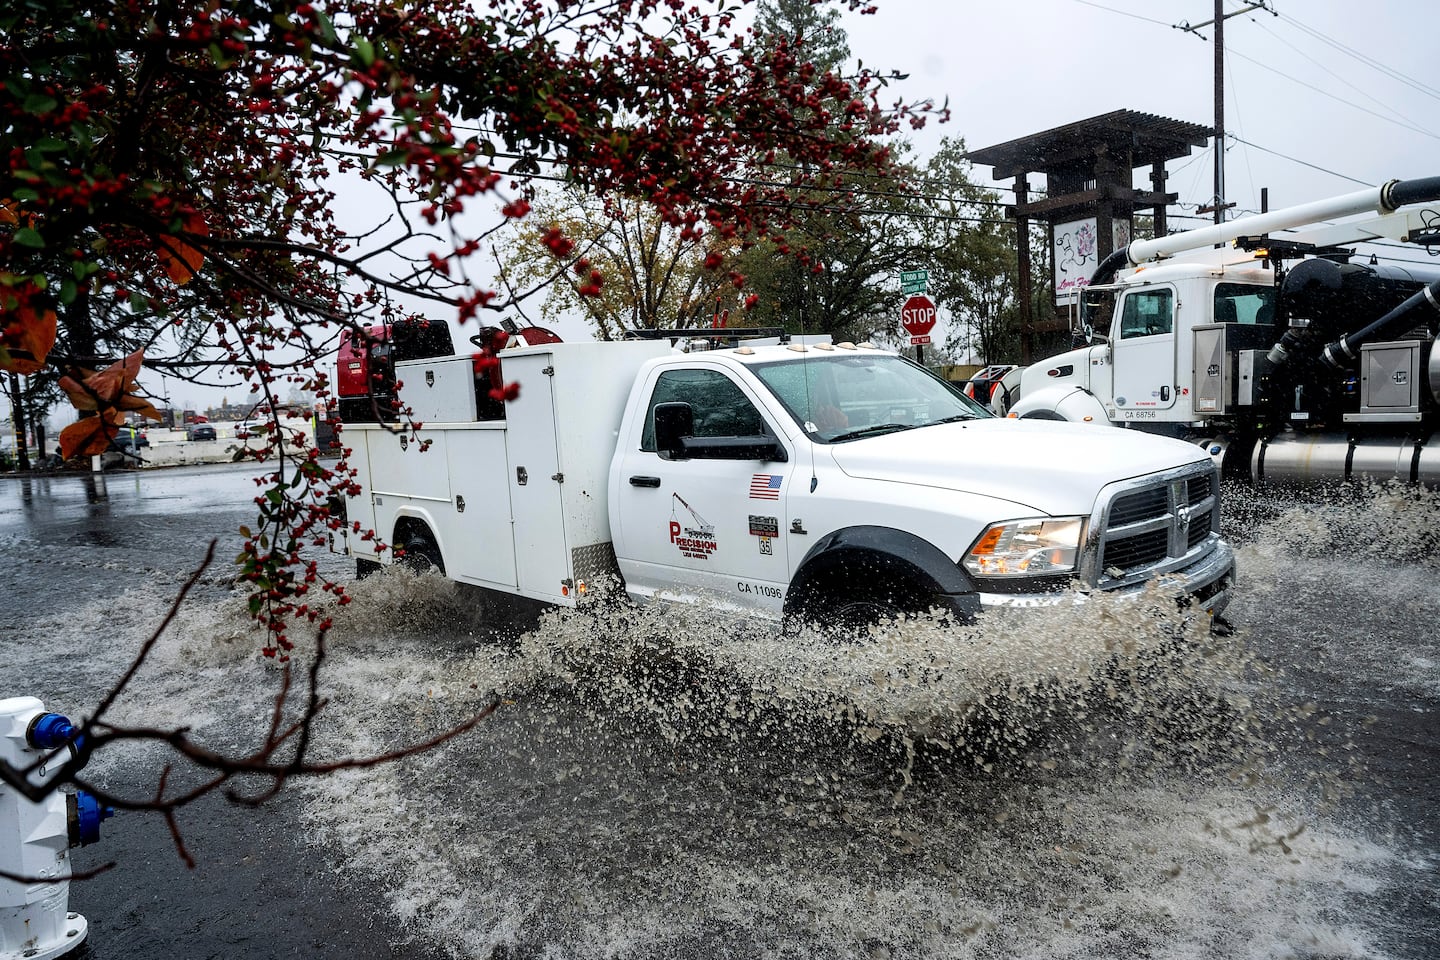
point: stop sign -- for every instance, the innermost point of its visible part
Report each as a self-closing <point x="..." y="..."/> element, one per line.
<point x="917" y="316"/>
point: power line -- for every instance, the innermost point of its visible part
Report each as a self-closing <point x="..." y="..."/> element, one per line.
<point x="1325" y="93"/>
<point x="1332" y="73"/>
<point x="1303" y="163"/>
<point x="1363" y="58"/>
<point x="1123" y="13"/>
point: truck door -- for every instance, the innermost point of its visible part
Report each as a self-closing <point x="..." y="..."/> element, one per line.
<point x="1144" y="353"/>
<point x="704" y="528"/>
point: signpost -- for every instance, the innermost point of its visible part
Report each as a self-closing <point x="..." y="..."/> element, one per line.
<point x="917" y="315"/>
<point x="914" y="281"/>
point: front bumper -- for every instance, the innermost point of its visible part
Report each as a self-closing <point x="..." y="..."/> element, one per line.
<point x="1208" y="582"/>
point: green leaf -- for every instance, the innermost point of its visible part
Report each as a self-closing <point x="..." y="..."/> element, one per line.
<point x="255" y="602"/>
<point x="25" y="193"/>
<point x="40" y="103"/>
<point x="30" y="237"/>
<point x="67" y="291"/>
<point x="327" y="28"/>
<point x="365" y="52"/>
<point x="245" y="532"/>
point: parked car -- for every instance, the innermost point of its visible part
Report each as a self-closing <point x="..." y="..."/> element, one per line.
<point x="200" y="431"/>
<point x="244" y="429"/>
<point x="129" y="440"/>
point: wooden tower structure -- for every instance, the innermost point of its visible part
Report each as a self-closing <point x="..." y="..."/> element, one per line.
<point x="1089" y="204"/>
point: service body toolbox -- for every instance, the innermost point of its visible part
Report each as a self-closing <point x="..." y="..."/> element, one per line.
<point x="517" y="504"/>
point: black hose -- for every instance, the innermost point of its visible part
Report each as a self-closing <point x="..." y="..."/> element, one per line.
<point x="1110" y="266"/>
<point x="1342" y="352"/>
<point x="1400" y="193"/>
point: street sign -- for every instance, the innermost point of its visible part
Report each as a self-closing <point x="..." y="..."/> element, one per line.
<point x="917" y="316"/>
<point x="914" y="281"/>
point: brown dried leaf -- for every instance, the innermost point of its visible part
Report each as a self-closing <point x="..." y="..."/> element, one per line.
<point x="180" y="259"/>
<point x="26" y="340"/>
<point x="90" y="435"/>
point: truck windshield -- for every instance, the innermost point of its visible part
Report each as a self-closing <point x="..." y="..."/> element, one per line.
<point x="836" y="398"/>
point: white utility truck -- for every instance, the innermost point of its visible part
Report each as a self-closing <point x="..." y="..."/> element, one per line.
<point x="1288" y="359"/>
<point x="829" y="482"/>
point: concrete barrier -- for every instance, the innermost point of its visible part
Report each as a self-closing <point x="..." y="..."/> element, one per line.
<point x="169" y="448"/>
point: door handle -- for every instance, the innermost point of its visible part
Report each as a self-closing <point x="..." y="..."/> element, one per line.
<point x="644" y="481"/>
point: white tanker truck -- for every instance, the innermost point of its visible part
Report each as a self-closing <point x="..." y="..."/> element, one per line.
<point x="1287" y="357"/>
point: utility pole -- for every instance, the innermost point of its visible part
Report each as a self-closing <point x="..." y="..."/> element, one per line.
<point x="1219" y="111"/>
<point x="1218" y="206"/>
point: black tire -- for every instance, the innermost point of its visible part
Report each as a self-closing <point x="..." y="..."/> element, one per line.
<point x="850" y="609"/>
<point x="421" y="554"/>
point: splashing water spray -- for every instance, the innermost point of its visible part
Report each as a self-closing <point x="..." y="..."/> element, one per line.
<point x="36" y="836"/>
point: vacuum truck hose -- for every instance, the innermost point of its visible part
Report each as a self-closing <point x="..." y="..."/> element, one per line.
<point x="1399" y="193"/>
<point x="1341" y="353"/>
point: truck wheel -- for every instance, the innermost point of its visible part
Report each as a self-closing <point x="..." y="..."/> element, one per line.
<point x="422" y="556"/>
<point x="852" y="609"/>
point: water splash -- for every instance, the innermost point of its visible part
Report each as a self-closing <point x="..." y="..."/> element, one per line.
<point x="1089" y="781"/>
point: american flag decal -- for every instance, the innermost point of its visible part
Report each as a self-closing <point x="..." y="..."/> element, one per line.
<point x="765" y="486"/>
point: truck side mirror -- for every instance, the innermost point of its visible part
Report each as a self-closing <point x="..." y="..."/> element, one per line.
<point x="672" y="422"/>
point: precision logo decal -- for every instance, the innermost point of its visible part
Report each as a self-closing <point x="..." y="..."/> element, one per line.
<point x="695" y="540"/>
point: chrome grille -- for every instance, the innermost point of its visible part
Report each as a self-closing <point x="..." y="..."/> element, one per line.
<point x="1154" y="524"/>
<point x="1136" y="507"/>
<point x="1197" y="488"/>
<point x="1140" y="550"/>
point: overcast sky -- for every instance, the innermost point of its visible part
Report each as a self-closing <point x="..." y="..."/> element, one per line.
<point x="1352" y="88"/>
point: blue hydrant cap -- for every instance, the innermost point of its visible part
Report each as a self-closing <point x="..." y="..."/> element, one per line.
<point x="50" y="730"/>
<point x="89" y="814"/>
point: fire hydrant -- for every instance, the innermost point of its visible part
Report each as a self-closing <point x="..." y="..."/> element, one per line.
<point x="36" y="837"/>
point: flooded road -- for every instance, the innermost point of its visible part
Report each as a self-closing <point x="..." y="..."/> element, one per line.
<point x="1094" y="781"/>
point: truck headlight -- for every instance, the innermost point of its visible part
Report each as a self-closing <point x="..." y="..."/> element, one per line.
<point x="1026" y="548"/>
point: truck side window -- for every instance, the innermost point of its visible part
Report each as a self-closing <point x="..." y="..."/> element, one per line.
<point x="719" y="406"/>
<point x="1244" y="303"/>
<point x="1147" y="313"/>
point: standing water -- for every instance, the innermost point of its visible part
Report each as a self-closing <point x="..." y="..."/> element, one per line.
<point x="1096" y="780"/>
